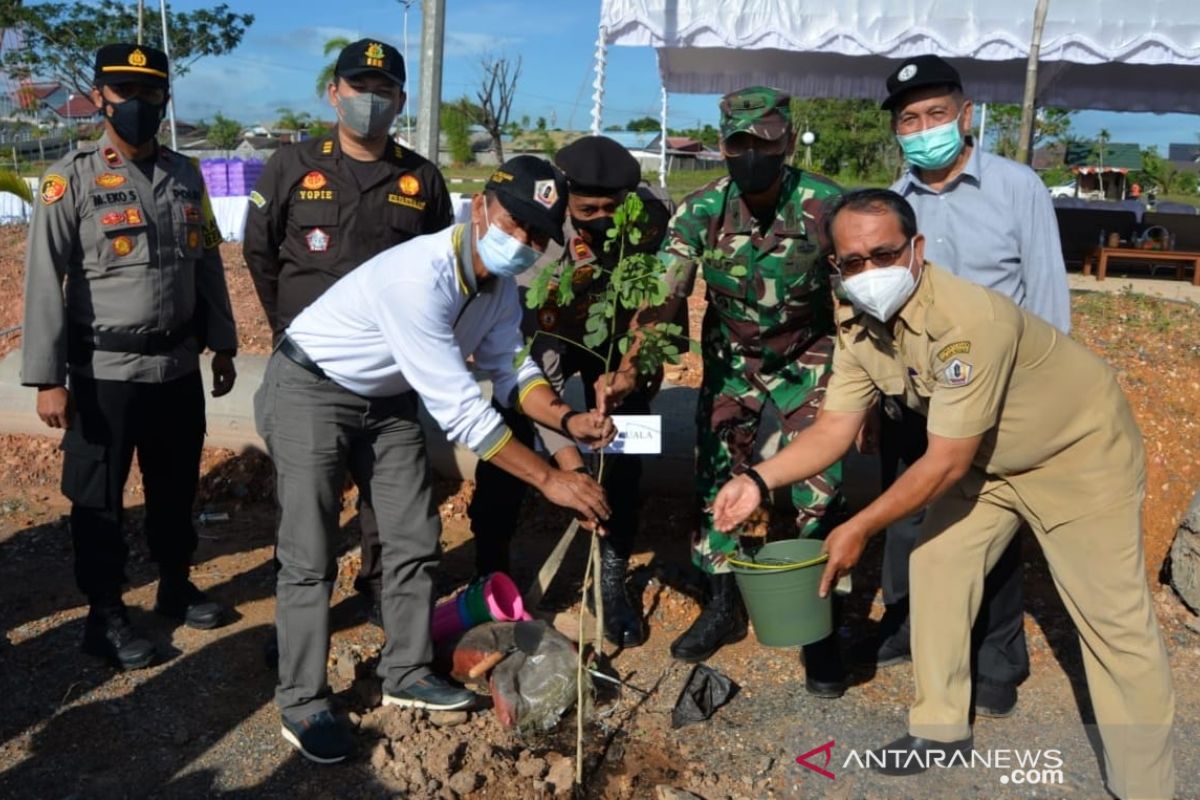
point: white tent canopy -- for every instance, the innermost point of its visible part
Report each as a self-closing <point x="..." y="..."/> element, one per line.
<point x="1101" y="54"/>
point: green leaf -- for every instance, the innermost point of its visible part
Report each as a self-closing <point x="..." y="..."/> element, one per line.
<point x="539" y="288"/>
<point x="595" y="338"/>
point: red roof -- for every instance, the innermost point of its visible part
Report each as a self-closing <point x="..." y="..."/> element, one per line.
<point x="41" y="90"/>
<point x="78" y="107"/>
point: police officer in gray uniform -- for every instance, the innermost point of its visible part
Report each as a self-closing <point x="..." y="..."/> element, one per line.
<point x="124" y="288"/>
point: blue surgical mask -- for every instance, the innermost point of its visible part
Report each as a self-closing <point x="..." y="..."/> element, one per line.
<point x="932" y="148"/>
<point x="503" y="255"/>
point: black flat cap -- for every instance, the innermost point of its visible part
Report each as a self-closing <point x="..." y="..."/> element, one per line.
<point x="130" y="63"/>
<point x="369" y="55"/>
<point x="534" y="192"/>
<point x="917" y="73"/>
<point x="597" y="166"/>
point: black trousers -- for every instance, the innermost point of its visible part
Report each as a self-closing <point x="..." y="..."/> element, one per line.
<point x="999" y="652"/>
<point x="163" y="423"/>
<point x="496" y="505"/>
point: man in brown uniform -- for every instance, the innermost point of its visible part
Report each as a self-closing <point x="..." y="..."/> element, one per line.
<point x="981" y="370"/>
<point x="326" y="205"/>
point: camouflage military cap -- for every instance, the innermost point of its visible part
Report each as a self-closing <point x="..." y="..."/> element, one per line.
<point x="758" y="110"/>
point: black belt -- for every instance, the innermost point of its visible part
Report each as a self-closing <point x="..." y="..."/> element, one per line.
<point x="149" y="343"/>
<point x="297" y="356"/>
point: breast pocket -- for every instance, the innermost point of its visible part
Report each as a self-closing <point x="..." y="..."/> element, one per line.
<point x="316" y="225"/>
<point x="121" y="237"/>
<point x="727" y="282"/>
<point x="802" y="272"/>
<point x="189" y="230"/>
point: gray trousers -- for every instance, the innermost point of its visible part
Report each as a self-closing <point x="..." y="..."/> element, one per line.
<point x="316" y="431"/>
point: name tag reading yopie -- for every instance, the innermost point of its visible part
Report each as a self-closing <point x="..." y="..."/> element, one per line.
<point x="637" y="434"/>
<point x="408" y="202"/>
<point x="314" y="194"/>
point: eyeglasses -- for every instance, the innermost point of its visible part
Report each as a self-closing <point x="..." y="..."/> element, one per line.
<point x="880" y="257"/>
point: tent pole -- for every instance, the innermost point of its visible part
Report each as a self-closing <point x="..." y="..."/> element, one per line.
<point x="982" y="126"/>
<point x="141" y="18"/>
<point x="162" y="9"/>
<point x="662" y="143"/>
<point x="598" y="82"/>
<point x="1024" y="145"/>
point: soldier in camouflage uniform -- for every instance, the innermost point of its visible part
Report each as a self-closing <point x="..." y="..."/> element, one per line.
<point x="767" y="338"/>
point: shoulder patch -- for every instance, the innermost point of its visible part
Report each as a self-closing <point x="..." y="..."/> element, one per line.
<point x="580" y="252"/>
<point x="327" y="147"/>
<point x="953" y="349"/>
<point x="258" y="200"/>
<point x="53" y="188"/>
<point x="957" y="373"/>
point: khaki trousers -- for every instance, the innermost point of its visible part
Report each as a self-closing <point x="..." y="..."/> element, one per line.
<point x="1098" y="568"/>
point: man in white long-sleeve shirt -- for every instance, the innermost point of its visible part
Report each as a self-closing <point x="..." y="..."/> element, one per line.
<point x="341" y="394"/>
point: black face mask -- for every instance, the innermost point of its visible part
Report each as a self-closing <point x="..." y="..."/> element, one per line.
<point x="753" y="171"/>
<point x="597" y="233"/>
<point x="135" y="121"/>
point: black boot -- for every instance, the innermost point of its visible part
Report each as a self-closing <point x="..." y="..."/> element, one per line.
<point x="824" y="672"/>
<point x="108" y="634"/>
<point x="722" y="622"/>
<point x="179" y="599"/>
<point x="622" y="622"/>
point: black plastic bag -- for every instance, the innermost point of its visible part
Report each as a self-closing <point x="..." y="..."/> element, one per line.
<point x="706" y="690"/>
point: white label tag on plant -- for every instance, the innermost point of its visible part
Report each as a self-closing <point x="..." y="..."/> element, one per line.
<point x="637" y="434"/>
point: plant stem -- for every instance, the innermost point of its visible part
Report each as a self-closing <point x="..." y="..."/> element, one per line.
<point x="579" y="709"/>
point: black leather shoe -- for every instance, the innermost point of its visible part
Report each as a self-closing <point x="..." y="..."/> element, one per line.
<point x="722" y="622"/>
<point x="181" y="600"/>
<point x="824" y="673"/>
<point x="912" y="755"/>
<point x="994" y="699"/>
<point x="108" y="634"/>
<point x="874" y="652"/>
<point x="432" y="692"/>
<point x="622" y="623"/>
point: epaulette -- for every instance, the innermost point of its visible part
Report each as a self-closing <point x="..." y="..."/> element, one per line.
<point x="580" y="252"/>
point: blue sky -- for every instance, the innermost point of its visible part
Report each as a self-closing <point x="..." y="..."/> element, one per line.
<point x="277" y="63"/>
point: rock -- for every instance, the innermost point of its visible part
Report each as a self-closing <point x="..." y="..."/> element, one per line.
<point x="764" y="764"/>
<point x="345" y="666"/>
<point x="664" y="792"/>
<point x="532" y="768"/>
<point x="433" y="785"/>
<point x="381" y="755"/>
<point x="448" y="719"/>
<point x="1185" y="557"/>
<point x="465" y="781"/>
<point x="561" y="776"/>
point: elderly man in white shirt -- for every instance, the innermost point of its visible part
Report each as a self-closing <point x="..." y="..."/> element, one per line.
<point x="341" y="394"/>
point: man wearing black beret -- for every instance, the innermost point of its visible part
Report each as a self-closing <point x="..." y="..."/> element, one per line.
<point x="600" y="174"/>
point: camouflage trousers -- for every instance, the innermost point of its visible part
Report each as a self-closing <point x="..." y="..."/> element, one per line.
<point x="732" y="400"/>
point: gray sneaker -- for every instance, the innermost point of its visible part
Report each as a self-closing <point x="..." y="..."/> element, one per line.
<point x="431" y="692"/>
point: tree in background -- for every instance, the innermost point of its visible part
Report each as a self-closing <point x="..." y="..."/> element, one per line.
<point x="643" y="125"/>
<point x="61" y="39"/>
<point x="224" y="133"/>
<point x="854" y="138"/>
<point x="495" y="96"/>
<point x="325" y="76"/>
<point x="1004" y="127"/>
<point x="456" y="123"/>
<point x="290" y="120"/>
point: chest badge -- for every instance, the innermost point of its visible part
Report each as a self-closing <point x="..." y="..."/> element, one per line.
<point x="113" y="218"/>
<point x="318" y="240"/>
<point x="409" y="185"/>
<point x="313" y="180"/>
<point x="109" y="180"/>
<point x="134" y="215"/>
<point x="122" y="245"/>
<point x="193" y="238"/>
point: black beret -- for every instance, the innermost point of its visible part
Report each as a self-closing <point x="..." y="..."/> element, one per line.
<point x="130" y="63"/>
<point x="917" y="73"/>
<point x="598" y="166"/>
<point x="370" y="55"/>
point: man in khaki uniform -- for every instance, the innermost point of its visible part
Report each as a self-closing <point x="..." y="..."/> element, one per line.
<point x="1024" y="424"/>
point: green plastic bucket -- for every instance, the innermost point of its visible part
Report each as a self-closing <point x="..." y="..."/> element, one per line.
<point x="779" y="584"/>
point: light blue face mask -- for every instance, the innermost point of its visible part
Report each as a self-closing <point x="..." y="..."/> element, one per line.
<point x="503" y="255"/>
<point x="932" y="148"/>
